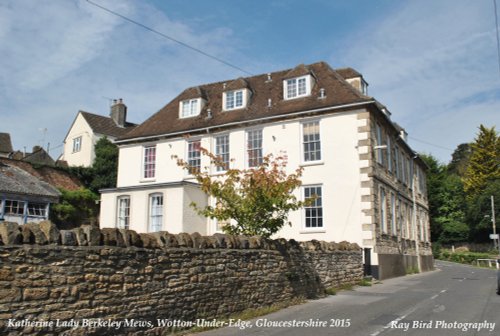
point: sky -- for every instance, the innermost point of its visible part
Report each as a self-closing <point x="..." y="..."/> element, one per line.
<point x="434" y="64"/>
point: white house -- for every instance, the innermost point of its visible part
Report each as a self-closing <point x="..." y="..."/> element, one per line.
<point x="371" y="185"/>
<point x="88" y="128"/>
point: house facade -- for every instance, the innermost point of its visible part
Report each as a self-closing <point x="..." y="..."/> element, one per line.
<point x="369" y="184"/>
<point x="88" y="128"/>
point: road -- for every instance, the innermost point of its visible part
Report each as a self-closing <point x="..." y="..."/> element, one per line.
<point x="443" y="302"/>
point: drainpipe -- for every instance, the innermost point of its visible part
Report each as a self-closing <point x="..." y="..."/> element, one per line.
<point x="414" y="217"/>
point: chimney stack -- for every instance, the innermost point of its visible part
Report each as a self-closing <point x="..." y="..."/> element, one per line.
<point x="119" y="112"/>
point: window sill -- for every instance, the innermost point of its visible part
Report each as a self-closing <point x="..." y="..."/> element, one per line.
<point x="312" y="163"/>
<point x="233" y="109"/>
<point x="306" y="231"/>
<point x="297" y="97"/>
<point x="147" y="180"/>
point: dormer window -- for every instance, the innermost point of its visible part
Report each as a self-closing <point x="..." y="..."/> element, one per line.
<point x="297" y="87"/>
<point x="190" y="108"/>
<point x="235" y="99"/>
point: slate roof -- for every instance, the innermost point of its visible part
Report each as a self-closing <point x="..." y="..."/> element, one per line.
<point x="106" y="125"/>
<point x="14" y="180"/>
<point x="337" y="91"/>
<point x="5" y="143"/>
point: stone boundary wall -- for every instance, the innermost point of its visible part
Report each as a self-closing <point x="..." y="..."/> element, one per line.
<point x="70" y="279"/>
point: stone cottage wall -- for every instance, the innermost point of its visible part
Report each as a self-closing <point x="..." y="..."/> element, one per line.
<point x="88" y="281"/>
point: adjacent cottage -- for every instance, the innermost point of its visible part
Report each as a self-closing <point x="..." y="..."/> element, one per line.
<point x="23" y="197"/>
<point x="369" y="182"/>
<point x="88" y="128"/>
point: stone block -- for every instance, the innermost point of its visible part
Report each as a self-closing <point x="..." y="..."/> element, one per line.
<point x="221" y="240"/>
<point x="149" y="241"/>
<point x="50" y="231"/>
<point x="243" y="242"/>
<point x="68" y="238"/>
<point x="131" y="238"/>
<point x="36" y="236"/>
<point x="112" y="237"/>
<point x="255" y="242"/>
<point x="10" y="233"/>
<point x="35" y="294"/>
<point x="92" y="235"/>
<point x="10" y="295"/>
<point x="197" y="238"/>
<point x="6" y="274"/>
<point x="170" y="240"/>
<point x="184" y="239"/>
<point x="80" y="236"/>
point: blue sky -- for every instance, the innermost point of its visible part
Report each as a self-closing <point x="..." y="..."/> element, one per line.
<point x="433" y="63"/>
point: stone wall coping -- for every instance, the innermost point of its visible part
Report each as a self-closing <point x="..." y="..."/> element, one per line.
<point x="46" y="233"/>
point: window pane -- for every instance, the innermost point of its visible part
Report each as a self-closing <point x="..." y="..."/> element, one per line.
<point x="222" y="151"/>
<point x="311" y="142"/>
<point x="314" y="211"/>
<point x="239" y="99"/>
<point x="254" y="148"/>
<point x="230" y="100"/>
<point x="14" y="207"/>
<point x="302" y="86"/>
<point x="291" y="87"/>
<point x="155" y="212"/>
<point x="194" y="156"/>
<point x="123" y="221"/>
<point x="149" y="162"/>
<point x="37" y="209"/>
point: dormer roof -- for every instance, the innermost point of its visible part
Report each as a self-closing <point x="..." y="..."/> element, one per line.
<point x="237" y="84"/>
<point x="299" y="70"/>
<point x="193" y="93"/>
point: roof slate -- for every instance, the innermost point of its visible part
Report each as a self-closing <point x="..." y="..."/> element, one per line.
<point x="106" y="125"/>
<point x="337" y="93"/>
<point x="17" y="181"/>
<point x="5" y="143"/>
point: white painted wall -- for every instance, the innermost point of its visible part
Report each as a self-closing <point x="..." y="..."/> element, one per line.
<point x="338" y="173"/>
<point x="86" y="155"/>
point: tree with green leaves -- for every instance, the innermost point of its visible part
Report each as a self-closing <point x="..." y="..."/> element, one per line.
<point x="80" y="207"/>
<point x="479" y="212"/>
<point x="75" y="208"/>
<point x="460" y="159"/>
<point x="484" y="162"/>
<point x="258" y="200"/>
<point x="446" y="203"/>
<point x="105" y="167"/>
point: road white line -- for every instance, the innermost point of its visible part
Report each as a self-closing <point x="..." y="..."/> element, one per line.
<point x="412" y="310"/>
<point x="388" y="325"/>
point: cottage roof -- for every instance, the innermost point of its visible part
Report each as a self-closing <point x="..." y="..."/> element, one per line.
<point x="5" y="143"/>
<point x="266" y="101"/>
<point x="14" y="180"/>
<point x="105" y="125"/>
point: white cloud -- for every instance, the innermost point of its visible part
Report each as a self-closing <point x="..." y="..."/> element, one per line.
<point x="62" y="56"/>
<point x="429" y="62"/>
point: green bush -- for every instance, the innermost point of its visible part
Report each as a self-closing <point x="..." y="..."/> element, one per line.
<point x="463" y="257"/>
<point x="436" y="250"/>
